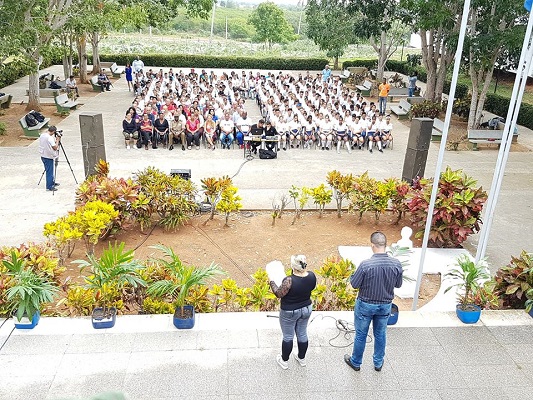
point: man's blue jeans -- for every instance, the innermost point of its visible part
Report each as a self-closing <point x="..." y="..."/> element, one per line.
<point x="382" y="105"/>
<point x="365" y="313"/>
<point x="49" y="169"/>
<point x="226" y="139"/>
<point x="411" y="92"/>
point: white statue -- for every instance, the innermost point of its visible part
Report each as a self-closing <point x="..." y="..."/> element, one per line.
<point x="405" y="241"/>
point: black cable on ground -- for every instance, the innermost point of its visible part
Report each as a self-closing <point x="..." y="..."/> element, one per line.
<point x="147" y="236"/>
<point x="8" y="336"/>
<point x="345" y="328"/>
<point x="204" y="234"/>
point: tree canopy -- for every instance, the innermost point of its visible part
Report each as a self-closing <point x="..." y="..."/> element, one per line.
<point x="270" y="24"/>
<point x="330" y="26"/>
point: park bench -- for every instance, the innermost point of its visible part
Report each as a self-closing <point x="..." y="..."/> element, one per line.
<point x="398" y="92"/>
<point x="436" y="133"/>
<point x="116" y="71"/>
<point x="64" y="104"/>
<point x="365" y="88"/>
<point x="415" y="100"/>
<point x="33" y="131"/>
<point x="487" y="136"/>
<point x="5" y="100"/>
<point x="402" y="109"/>
<point x="94" y="83"/>
<point x="51" y="93"/>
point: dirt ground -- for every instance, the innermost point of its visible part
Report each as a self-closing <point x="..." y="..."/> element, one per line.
<point x="251" y="241"/>
<point x="14" y="136"/>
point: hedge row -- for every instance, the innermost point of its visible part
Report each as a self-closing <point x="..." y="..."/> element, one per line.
<point x="202" y="61"/>
<point x="402" y="67"/>
<point x="499" y="105"/>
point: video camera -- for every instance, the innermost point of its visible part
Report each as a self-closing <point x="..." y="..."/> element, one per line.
<point x="58" y="133"/>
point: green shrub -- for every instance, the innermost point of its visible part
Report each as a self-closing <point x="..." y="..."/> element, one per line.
<point x="499" y="105"/>
<point x="457" y="212"/>
<point x="514" y="282"/>
<point x="2" y="128"/>
<point x="461" y="107"/>
<point x="203" y="61"/>
<point x="426" y="109"/>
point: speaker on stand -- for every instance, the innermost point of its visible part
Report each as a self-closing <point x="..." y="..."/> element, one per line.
<point x="417" y="148"/>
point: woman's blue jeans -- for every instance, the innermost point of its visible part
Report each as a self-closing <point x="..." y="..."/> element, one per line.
<point x="365" y="313"/>
<point x="296" y="321"/>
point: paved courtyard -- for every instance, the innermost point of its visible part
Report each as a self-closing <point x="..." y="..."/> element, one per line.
<point x="232" y="356"/>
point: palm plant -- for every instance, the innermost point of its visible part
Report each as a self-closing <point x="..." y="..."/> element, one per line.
<point x="27" y="289"/>
<point x="469" y="277"/>
<point x="114" y="269"/>
<point x="181" y="277"/>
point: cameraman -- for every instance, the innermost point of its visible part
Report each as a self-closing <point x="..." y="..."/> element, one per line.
<point x="49" y="143"/>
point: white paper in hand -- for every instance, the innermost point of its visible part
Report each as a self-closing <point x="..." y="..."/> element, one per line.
<point x="275" y="271"/>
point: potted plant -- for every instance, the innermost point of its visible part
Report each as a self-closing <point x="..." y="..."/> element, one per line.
<point x="467" y="279"/>
<point x="181" y="279"/>
<point x="28" y="290"/>
<point x="107" y="276"/>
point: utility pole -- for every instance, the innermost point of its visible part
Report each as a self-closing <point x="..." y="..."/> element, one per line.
<point x="212" y="20"/>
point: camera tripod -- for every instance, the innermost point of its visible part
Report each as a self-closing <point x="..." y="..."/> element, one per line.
<point x="56" y="162"/>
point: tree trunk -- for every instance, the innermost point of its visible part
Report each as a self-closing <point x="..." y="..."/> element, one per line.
<point x="95" y="39"/>
<point x="82" y="58"/>
<point x="336" y="63"/>
<point x="34" y="102"/>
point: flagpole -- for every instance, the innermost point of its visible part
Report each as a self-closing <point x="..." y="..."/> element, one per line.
<point x="438" y="168"/>
<point x="524" y="66"/>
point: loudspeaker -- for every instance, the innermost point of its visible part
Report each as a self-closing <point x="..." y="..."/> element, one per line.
<point x="417" y="148"/>
<point x="420" y="133"/>
<point x="414" y="164"/>
<point x="184" y="173"/>
<point x="92" y="141"/>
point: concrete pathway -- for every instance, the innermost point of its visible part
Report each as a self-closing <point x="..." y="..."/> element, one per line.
<point x="429" y="356"/>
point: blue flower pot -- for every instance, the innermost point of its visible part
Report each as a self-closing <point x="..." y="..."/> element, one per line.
<point x="394" y="313"/>
<point x="469" y="316"/>
<point x="104" y="321"/>
<point x="185" y="321"/>
<point x="531" y="313"/>
<point x="26" y="323"/>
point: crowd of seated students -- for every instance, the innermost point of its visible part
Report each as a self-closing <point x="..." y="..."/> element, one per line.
<point x="185" y="108"/>
<point x="309" y="111"/>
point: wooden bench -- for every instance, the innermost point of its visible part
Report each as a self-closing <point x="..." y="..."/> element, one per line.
<point x="402" y="109"/>
<point x="116" y="71"/>
<point x="436" y="133"/>
<point x="365" y="88"/>
<point x="487" y="136"/>
<point x="398" y="92"/>
<point x="5" y="101"/>
<point x="64" y="104"/>
<point x="33" y="131"/>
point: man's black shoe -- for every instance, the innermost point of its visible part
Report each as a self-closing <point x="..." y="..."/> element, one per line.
<point x="183" y="147"/>
<point x="347" y="361"/>
<point x="171" y="147"/>
<point x="54" y="189"/>
<point x="378" y="368"/>
<point x="56" y="184"/>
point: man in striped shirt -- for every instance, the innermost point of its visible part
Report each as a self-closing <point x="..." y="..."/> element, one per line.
<point x="376" y="279"/>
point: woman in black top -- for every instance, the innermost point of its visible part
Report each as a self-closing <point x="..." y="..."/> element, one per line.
<point x="130" y="129"/>
<point x="296" y="306"/>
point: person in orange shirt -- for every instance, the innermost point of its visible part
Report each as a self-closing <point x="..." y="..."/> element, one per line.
<point x="383" y="94"/>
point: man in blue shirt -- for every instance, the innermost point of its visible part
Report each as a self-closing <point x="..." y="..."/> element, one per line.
<point x="326" y="73"/>
<point x="376" y="279"/>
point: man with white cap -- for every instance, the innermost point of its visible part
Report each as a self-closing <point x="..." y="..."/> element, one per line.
<point x="296" y="306"/>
